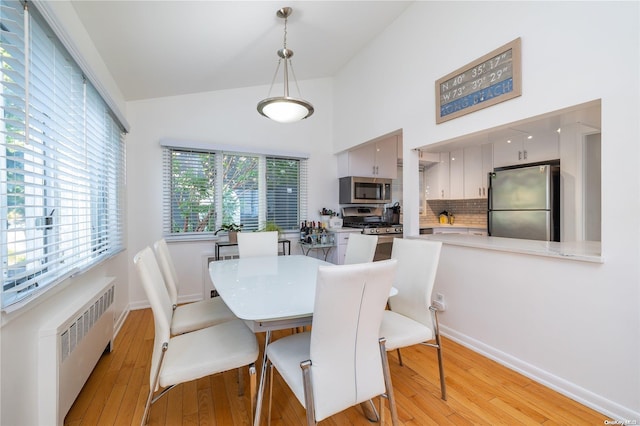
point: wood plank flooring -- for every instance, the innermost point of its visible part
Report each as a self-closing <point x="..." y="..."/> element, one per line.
<point x="479" y="392"/>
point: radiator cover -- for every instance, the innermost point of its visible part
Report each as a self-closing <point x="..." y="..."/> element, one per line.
<point x="70" y="345"/>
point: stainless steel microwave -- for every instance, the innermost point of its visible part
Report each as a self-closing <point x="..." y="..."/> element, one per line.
<point x="365" y="190"/>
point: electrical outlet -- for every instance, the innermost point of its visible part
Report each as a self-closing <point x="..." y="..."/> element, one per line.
<point x="439" y="302"/>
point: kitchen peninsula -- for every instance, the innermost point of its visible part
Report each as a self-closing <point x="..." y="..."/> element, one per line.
<point x="585" y="251"/>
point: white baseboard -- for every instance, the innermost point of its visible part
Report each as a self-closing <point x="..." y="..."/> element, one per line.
<point x="602" y="405"/>
<point x="119" y="322"/>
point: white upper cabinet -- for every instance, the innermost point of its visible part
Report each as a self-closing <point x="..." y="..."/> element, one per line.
<point x="478" y="162"/>
<point x="437" y="178"/>
<point x="456" y="174"/>
<point x="377" y="159"/>
<point x="522" y="150"/>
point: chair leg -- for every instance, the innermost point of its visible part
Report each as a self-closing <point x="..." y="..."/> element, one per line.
<point x="147" y="406"/>
<point x="381" y="409"/>
<point x="436" y="332"/>
<point x="443" y="385"/>
<point x="252" y="387"/>
<point x="308" y="393"/>
<point x="240" y="382"/>
<point x="399" y="357"/>
<point x="388" y="383"/>
<point x="270" y="366"/>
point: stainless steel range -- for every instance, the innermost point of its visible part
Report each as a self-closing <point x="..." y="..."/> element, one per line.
<point x="371" y="221"/>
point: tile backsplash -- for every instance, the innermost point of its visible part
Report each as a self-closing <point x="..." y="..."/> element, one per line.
<point x="469" y="212"/>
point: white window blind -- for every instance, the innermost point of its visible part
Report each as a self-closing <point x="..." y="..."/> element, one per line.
<point x="61" y="161"/>
<point x="207" y="189"/>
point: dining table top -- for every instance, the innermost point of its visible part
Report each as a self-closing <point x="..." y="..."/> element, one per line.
<point x="267" y="288"/>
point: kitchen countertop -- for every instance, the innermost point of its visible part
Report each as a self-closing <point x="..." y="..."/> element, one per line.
<point x="424" y="225"/>
<point x="585" y="251"/>
<point x="345" y="229"/>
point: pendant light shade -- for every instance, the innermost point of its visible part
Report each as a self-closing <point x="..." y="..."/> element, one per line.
<point x="285" y="109"/>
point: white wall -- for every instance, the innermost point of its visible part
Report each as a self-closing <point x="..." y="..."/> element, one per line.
<point x="573" y="325"/>
<point x="224" y="117"/>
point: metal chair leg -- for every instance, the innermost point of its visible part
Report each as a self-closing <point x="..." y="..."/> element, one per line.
<point x="270" y="366"/>
<point x="308" y="393"/>
<point x="147" y="407"/>
<point x="252" y="387"/>
<point x="388" y="383"/>
<point x="438" y="345"/>
<point x="399" y="357"/>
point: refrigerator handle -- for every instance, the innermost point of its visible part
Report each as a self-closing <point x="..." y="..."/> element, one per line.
<point x="489" y="206"/>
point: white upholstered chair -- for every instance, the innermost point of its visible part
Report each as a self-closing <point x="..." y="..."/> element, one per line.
<point x="190" y="356"/>
<point x="342" y="361"/>
<point x="254" y="244"/>
<point x="412" y="319"/>
<point x="360" y="248"/>
<point x="191" y="316"/>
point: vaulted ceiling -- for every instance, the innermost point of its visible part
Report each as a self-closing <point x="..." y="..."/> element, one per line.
<point x="172" y="47"/>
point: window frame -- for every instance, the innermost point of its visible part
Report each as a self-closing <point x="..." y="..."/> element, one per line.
<point x="220" y="152"/>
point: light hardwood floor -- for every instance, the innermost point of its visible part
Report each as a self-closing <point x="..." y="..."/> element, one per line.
<point x="480" y="392"/>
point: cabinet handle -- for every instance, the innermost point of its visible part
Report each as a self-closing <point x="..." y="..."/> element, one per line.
<point x="483" y="192"/>
<point x="519" y="155"/>
<point x="373" y="170"/>
<point x="525" y="154"/>
<point x="442" y="192"/>
<point x="377" y="170"/>
<point x="479" y="192"/>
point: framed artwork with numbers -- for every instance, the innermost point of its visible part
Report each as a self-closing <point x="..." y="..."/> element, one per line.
<point x="491" y="79"/>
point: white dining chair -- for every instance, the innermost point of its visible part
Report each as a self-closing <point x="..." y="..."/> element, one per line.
<point x="342" y="361"/>
<point x="254" y="244"/>
<point x="193" y="355"/>
<point x="360" y="248"/>
<point x="190" y="316"/>
<point x="412" y="319"/>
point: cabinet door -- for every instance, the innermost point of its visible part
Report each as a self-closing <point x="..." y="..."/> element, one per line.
<point x="362" y="161"/>
<point x="456" y="174"/>
<point x="378" y="159"/>
<point x="478" y="162"/>
<point x="507" y="153"/>
<point x="437" y="179"/>
<point x="473" y="172"/>
<point x="340" y="250"/>
<point x="386" y="158"/>
<point x="487" y="167"/>
<point x="542" y="148"/>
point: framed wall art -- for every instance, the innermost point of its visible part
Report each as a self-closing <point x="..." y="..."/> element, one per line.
<point x="491" y="79"/>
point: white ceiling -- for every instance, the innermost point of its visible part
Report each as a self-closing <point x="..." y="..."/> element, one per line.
<point x="171" y="47"/>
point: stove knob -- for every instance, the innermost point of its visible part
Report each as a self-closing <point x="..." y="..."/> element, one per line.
<point x="377" y="231"/>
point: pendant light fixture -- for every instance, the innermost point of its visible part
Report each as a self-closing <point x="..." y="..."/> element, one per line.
<point x="285" y="109"/>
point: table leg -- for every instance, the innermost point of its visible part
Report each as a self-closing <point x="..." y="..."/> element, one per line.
<point x="263" y="374"/>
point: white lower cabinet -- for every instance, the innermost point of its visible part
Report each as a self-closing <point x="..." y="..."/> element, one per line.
<point x="340" y="250"/>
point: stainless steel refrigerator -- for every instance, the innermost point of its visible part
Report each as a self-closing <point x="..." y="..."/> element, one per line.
<point x="524" y="203"/>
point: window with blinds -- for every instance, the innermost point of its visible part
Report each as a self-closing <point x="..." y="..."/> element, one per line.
<point x="61" y="161"/>
<point x="204" y="190"/>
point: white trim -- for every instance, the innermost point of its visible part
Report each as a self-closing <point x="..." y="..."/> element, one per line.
<point x="48" y="14"/>
<point x="571" y="390"/>
<point x="213" y="146"/>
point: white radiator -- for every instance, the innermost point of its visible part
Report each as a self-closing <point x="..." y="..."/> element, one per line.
<point x="70" y="345"/>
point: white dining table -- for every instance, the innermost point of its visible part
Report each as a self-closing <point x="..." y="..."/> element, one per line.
<point x="268" y="293"/>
